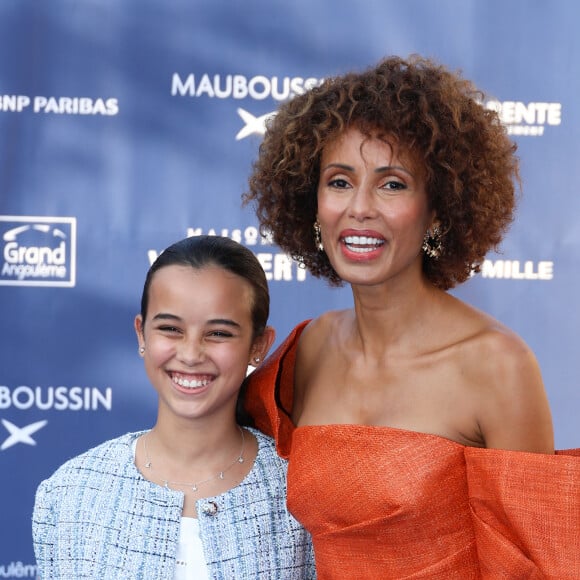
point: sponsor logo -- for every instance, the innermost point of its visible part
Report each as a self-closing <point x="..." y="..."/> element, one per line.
<point x="253" y="125"/>
<point x="517" y="270"/>
<point x="257" y="88"/>
<point x="20" y="434"/>
<point x="59" y="398"/>
<point x="18" y="570"/>
<point x="238" y="87"/>
<point x="59" y="105"/>
<point x="38" y="251"/>
<point x="527" y="119"/>
<point x="278" y="266"/>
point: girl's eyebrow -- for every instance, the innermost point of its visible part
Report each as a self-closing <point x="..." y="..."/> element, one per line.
<point x="166" y="316"/>
<point x="224" y="321"/>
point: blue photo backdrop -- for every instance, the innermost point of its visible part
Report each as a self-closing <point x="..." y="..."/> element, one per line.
<point x="125" y="126"/>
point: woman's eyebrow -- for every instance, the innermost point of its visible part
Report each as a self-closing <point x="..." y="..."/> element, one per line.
<point x="386" y="168"/>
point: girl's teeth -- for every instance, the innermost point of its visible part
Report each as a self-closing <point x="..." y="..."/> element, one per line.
<point x="190" y="384"/>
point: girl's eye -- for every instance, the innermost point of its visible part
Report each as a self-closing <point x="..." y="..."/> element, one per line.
<point x="169" y="329"/>
<point x="220" y="334"/>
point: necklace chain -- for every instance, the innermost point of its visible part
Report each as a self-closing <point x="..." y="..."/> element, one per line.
<point x="195" y="485"/>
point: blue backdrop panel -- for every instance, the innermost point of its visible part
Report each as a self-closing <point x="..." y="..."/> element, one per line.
<point x="125" y="126"/>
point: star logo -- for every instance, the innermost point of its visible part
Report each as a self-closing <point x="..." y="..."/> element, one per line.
<point x="253" y="125"/>
<point x="20" y="434"/>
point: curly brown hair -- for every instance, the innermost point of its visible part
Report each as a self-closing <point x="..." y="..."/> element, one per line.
<point x="470" y="163"/>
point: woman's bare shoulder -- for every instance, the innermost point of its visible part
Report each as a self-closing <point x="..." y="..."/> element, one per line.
<point x="321" y="329"/>
<point x="317" y="346"/>
<point x="504" y="373"/>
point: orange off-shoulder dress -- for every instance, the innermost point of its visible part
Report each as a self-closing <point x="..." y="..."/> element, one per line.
<point x="383" y="503"/>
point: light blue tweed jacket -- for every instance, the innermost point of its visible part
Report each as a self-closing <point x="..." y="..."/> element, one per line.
<point x="98" y="517"/>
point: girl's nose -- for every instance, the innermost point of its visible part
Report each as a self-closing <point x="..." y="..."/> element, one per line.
<point x="191" y="352"/>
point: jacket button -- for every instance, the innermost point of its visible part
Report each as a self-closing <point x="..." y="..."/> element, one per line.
<point x="210" y="508"/>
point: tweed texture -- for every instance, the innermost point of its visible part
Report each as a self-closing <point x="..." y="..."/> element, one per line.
<point x="389" y="503"/>
<point x="97" y="517"/>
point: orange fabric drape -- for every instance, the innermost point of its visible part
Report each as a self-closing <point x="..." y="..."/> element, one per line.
<point x="389" y="503"/>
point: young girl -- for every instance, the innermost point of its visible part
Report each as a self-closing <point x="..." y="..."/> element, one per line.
<point x="198" y="495"/>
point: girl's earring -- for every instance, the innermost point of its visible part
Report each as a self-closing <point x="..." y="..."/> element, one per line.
<point x="142" y="350"/>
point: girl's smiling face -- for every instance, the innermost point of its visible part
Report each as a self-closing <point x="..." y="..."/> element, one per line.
<point x="197" y="337"/>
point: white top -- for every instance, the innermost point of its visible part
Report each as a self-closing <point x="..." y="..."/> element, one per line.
<point x="190" y="562"/>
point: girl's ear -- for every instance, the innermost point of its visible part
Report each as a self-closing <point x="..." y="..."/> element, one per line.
<point x="262" y="345"/>
<point x="139" y="330"/>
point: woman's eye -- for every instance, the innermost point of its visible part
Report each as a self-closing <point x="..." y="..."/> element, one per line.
<point x="338" y="183"/>
<point x="394" y="185"/>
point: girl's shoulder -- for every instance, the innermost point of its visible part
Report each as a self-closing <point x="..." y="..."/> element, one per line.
<point x="112" y="450"/>
<point x="268" y="458"/>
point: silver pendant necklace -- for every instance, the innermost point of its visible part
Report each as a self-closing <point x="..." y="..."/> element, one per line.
<point x="195" y="485"/>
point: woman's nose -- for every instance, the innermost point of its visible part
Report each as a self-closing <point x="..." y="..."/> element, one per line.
<point x="362" y="204"/>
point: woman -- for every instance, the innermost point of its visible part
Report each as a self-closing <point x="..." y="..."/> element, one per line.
<point x="197" y="496"/>
<point x="417" y="428"/>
